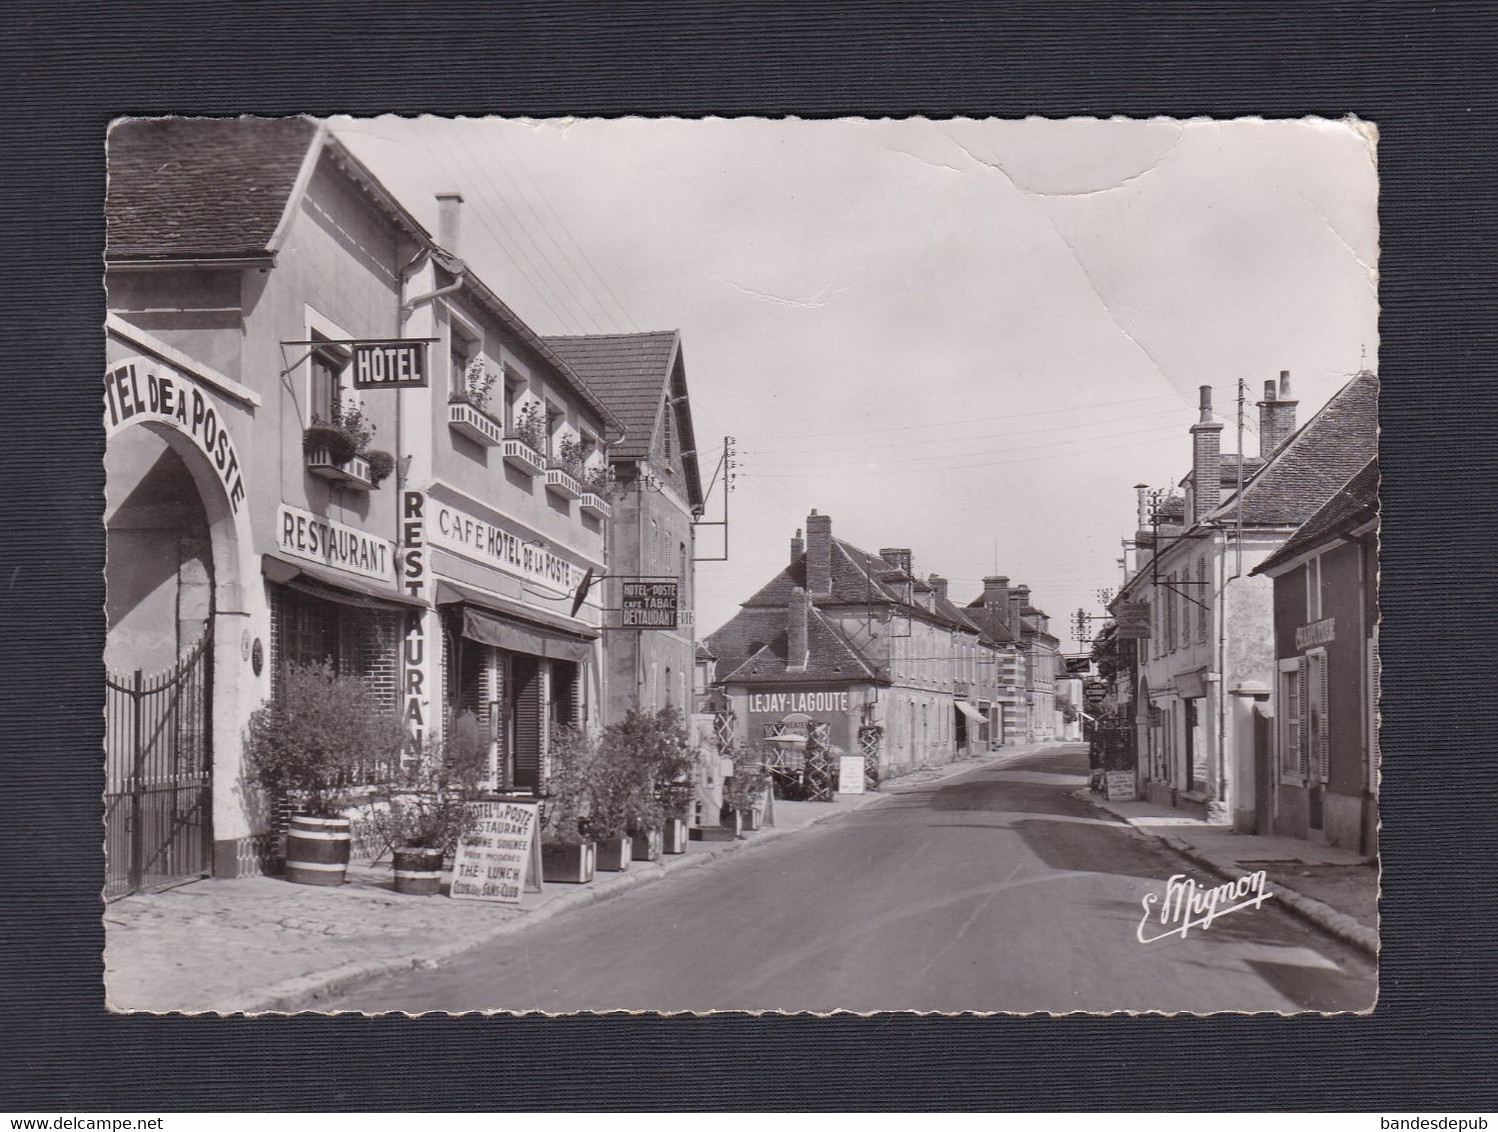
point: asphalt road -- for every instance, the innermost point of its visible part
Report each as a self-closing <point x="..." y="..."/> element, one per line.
<point x="994" y="890"/>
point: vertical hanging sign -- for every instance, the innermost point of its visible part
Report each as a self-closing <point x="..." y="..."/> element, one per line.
<point x="416" y="662"/>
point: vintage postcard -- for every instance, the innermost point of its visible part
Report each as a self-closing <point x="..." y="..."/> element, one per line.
<point x="741" y="565"/>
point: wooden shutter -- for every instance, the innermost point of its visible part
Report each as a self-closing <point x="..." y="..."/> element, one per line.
<point x="1202" y="595"/>
<point x="1302" y="730"/>
<point x="526" y="696"/>
<point x="1319" y="739"/>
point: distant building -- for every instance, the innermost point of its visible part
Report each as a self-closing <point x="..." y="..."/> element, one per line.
<point x="858" y="649"/>
<point x="1322" y="768"/>
<point x="654" y="493"/>
<point x="1209" y="618"/>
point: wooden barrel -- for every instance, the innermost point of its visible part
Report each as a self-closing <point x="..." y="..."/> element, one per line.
<point x="317" y="850"/>
<point x="418" y="871"/>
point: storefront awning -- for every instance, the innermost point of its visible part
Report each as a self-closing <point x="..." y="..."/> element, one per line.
<point x="487" y="621"/>
<point x="970" y="711"/>
<point x="332" y="585"/>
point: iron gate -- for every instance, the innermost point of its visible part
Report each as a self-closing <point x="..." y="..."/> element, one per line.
<point x="158" y="775"/>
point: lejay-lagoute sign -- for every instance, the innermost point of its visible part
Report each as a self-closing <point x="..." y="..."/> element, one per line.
<point x="648" y="605"/>
<point x="390" y="364"/>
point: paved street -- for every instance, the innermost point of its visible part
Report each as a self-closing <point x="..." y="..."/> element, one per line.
<point x="991" y="890"/>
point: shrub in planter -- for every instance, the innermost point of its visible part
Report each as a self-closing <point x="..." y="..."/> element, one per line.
<point x="426" y="810"/>
<point x="744" y="793"/>
<point x="646" y="779"/>
<point x="330" y="439"/>
<point x="307" y="745"/>
<point x="567" y="853"/>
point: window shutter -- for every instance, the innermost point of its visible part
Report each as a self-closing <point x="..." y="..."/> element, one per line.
<point x="527" y="677"/>
<point x="1322" y="730"/>
<point x="1302" y="738"/>
<point x="1202" y="596"/>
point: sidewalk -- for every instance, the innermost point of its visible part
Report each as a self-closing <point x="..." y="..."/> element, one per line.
<point x="261" y="944"/>
<point x="1331" y="888"/>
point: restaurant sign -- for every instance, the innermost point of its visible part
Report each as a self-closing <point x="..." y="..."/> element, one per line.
<point x="452" y="529"/>
<point x="312" y="538"/>
<point x="1322" y="632"/>
<point x="392" y="363"/>
<point x="1133" y="619"/>
<point x="648" y="605"/>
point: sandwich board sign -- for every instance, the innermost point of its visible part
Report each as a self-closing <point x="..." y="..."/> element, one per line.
<point x="500" y="858"/>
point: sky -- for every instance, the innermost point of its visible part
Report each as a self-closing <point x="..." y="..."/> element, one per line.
<point x="971" y="338"/>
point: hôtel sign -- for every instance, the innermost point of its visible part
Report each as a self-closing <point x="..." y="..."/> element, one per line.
<point x="397" y="363"/>
<point x="139" y="390"/>
<point x="304" y="535"/>
<point x="450" y="528"/>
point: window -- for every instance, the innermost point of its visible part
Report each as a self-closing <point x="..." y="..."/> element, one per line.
<point x="461" y="350"/>
<point x="1313" y="590"/>
<point x="666" y="428"/>
<point x="331" y="386"/>
<point x="1292" y="716"/>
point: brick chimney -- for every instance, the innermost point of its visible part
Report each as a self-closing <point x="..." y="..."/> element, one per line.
<point x="1019" y="597"/>
<point x="996" y="597"/>
<point x="1276" y="415"/>
<point x="818" y="554"/>
<point x="795" y="630"/>
<point x="1206" y="461"/>
<point x="939" y="584"/>
<point x="798" y="546"/>
<point x="898" y="557"/>
<point x="449" y="210"/>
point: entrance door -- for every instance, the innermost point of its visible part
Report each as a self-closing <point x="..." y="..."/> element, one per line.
<point x="158" y="792"/>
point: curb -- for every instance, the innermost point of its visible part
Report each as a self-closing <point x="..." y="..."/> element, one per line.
<point x="299" y="995"/>
<point x="1315" y="912"/>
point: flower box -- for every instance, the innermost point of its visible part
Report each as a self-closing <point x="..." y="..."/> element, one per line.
<point x="522" y="457"/>
<point x="613" y="855"/>
<point x="468" y="420"/>
<point x="353" y="472"/>
<point x="674" y="836"/>
<point x="560" y="483"/>
<point x="593" y="504"/>
<point x="567" y="863"/>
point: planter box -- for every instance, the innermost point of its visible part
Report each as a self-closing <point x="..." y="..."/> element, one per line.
<point x="521" y="456"/>
<point x="754" y="820"/>
<point x="418" y="872"/>
<point x="732" y="820"/>
<point x="567" y="864"/>
<point x="593" y="504"/>
<point x="469" y="420"/>
<point x="613" y="856"/>
<point x="317" y="850"/>
<point x="562" y="484"/>
<point x="713" y="833"/>
<point x="674" y="837"/>
<point x="352" y="473"/>
<point x="646" y="846"/>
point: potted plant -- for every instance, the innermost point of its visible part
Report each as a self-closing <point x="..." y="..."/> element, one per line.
<point x="345" y="435"/>
<point x="381" y="464"/>
<point x="530" y="427"/>
<point x="427" y="810"/>
<point x="570" y="456"/>
<point x="744" y="793"/>
<point x="614" y="799"/>
<point x="478" y="386"/>
<point x="596" y="478"/>
<point x="305" y="746"/>
<point x="567" y="854"/>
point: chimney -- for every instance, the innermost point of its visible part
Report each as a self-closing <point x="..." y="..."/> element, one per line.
<point x="818" y="554"/>
<point x="1019" y="597"/>
<point x="795" y="630"/>
<point x="1206" y="461"/>
<point x="449" y="210"/>
<point x="1142" y="498"/>
<point x="939" y="584"/>
<point x="996" y="597"/>
<point x="798" y="546"/>
<point x="1276" y="415"/>
<point x="898" y="557"/>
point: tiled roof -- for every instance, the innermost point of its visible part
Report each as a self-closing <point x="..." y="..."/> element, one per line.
<point x="829" y="656"/>
<point x="629" y="373"/>
<point x="1352" y="505"/>
<point x="200" y="188"/>
<point x="1318" y="458"/>
<point x="992" y="621"/>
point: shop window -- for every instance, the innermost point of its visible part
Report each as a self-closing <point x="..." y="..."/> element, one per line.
<point x="1292" y="733"/>
<point x="356" y="641"/>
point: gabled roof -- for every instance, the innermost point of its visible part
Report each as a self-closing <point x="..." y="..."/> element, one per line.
<point x="1353" y="504"/>
<point x="829" y="656"/>
<point x="994" y="623"/>
<point x="1315" y="461"/>
<point x="201" y="188"/>
<point x="635" y="375"/>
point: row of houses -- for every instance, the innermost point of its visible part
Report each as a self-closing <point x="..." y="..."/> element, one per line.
<point x="329" y="438"/>
<point x="1242" y="661"/>
<point x="847" y="649"/>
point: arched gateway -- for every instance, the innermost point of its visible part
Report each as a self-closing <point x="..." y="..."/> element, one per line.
<point x="175" y="530"/>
